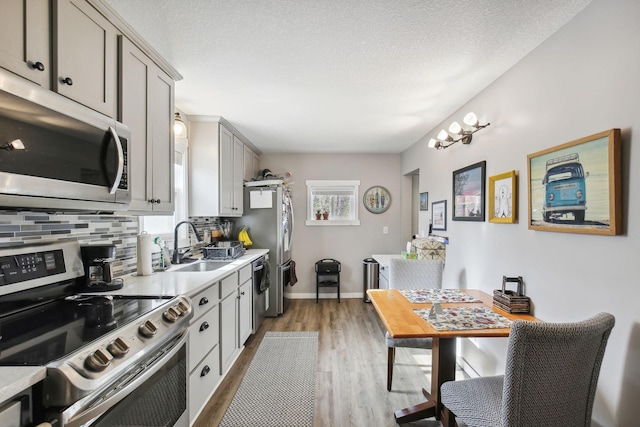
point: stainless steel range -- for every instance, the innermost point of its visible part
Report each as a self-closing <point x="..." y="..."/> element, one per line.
<point x="110" y="360"/>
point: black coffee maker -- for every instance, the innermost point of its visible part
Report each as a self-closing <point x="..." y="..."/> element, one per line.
<point x="98" y="274"/>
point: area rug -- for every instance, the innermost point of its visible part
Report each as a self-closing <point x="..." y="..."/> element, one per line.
<point x="278" y="389"/>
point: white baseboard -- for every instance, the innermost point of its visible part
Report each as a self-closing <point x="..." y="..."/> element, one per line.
<point x="324" y="295"/>
<point x="466" y="367"/>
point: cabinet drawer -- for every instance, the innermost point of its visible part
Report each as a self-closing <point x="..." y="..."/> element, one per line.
<point x="228" y="285"/>
<point x="245" y="274"/>
<point x="204" y="300"/>
<point x="203" y="336"/>
<point x="203" y="382"/>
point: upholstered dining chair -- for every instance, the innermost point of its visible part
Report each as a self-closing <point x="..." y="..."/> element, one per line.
<point x="410" y="274"/>
<point x="550" y="378"/>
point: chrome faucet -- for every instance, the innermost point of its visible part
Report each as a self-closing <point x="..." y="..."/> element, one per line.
<point x="177" y="256"/>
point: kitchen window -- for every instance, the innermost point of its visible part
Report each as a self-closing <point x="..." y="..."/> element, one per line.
<point x="332" y="202"/>
<point x="163" y="226"/>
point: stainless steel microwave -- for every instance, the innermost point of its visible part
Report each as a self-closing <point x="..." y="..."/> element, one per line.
<point x="57" y="155"/>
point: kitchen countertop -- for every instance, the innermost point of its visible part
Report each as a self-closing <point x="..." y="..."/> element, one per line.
<point x="16" y="379"/>
<point x="383" y="259"/>
<point x="171" y="283"/>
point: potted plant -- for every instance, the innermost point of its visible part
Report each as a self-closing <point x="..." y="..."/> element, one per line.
<point x="325" y="215"/>
<point x="318" y="214"/>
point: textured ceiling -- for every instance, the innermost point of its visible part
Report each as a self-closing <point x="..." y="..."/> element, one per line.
<point x="339" y="76"/>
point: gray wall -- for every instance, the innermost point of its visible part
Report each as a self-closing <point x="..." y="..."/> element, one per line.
<point x="582" y="80"/>
<point x="348" y="244"/>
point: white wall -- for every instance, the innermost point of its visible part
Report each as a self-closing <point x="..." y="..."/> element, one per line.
<point x="348" y="244"/>
<point x="582" y="80"/>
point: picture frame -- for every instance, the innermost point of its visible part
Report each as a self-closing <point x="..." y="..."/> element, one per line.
<point x="575" y="187"/>
<point x="503" y="198"/>
<point x="424" y="201"/>
<point x="469" y="193"/>
<point x="439" y="215"/>
<point x="377" y="199"/>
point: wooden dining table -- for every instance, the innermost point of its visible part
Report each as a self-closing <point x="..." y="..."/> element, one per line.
<point x="401" y="321"/>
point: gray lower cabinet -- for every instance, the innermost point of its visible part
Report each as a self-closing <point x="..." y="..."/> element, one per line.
<point x="245" y="305"/>
<point x="204" y="345"/>
<point x="222" y="322"/>
<point x="229" y="330"/>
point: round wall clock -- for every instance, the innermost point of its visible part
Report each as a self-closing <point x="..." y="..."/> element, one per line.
<point x="376" y="199"/>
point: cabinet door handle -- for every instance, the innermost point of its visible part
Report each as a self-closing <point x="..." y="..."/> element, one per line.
<point x="67" y="81"/>
<point x="241" y="293"/>
<point x="205" y="370"/>
<point x="38" y="66"/>
<point x="204" y="301"/>
<point x="204" y="326"/>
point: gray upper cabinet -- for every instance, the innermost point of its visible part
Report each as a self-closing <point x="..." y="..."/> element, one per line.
<point x="217" y="168"/>
<point x="85" y="56"/>
<point x="250" y="164"/>
<point x="146" y="107"/>
<point x="25" y="32"/>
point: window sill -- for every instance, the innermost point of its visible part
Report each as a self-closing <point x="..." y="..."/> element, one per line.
<point x="326" y="222"/>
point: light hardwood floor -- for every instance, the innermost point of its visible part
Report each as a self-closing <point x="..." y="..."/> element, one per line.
<point x="351" y="371"/>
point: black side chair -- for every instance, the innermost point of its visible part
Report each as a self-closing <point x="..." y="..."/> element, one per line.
<point x="327" y="274"/>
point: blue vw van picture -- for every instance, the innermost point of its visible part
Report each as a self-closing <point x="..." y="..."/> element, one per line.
<point x="565" y="190"/>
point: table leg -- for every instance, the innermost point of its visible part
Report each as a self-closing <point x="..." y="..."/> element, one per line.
<point x="443" y="368"/>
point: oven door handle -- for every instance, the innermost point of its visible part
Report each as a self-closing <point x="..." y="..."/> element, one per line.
<point x="79" y="419"/>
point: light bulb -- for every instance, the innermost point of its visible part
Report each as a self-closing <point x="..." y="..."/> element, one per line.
<point x="432" y="143"/>
<point x="455" y="128"/>
<point x="471" y="119"/>
<point x="444" y="136"/>
<point x="179" y="128"/>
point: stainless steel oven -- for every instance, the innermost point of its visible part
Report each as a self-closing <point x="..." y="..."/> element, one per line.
<point x="152" y="393"/>
<point x="110" y="360"/>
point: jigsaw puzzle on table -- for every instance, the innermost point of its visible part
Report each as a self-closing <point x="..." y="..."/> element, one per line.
<point x="461" y="318"/>
<point x="416" y="296"/>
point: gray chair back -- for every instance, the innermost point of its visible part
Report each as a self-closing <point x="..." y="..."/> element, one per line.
<point x="415" y="273"/>
<point x="552" y="371"/>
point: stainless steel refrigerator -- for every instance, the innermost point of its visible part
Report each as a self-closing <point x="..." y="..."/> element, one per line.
<point x="268" y="216"/>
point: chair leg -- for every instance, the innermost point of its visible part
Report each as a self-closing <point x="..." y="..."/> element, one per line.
<point x="391" y="356"/>
<point x="448" y="418"/>
<point x="317" y="292"/>
<point x="338" y="292"/>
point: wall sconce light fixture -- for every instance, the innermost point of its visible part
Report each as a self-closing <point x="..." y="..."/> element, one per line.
<point x="16" y="144"/>
<point x="179" y="128"/>
<point x="457" y="133"/>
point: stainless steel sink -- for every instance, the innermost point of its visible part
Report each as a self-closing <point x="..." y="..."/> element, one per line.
<point x="203" y="266"/>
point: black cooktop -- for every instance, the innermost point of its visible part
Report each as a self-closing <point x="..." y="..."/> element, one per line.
<point x="52" y="330"/>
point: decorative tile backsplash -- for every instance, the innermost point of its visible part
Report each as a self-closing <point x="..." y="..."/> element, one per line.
<point x="20" y="228"/>
<point x="23" y="228"/>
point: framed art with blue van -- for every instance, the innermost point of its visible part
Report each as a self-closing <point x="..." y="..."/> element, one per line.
<point x="576" y="187"/>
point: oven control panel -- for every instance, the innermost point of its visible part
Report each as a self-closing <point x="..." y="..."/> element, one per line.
<point x="31" y="266"/>
<point x="150" y="330"/>
<point x="124" y="348"/>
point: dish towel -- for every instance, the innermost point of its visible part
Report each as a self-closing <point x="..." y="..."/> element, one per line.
<point x="292" y="272"/>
